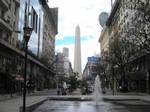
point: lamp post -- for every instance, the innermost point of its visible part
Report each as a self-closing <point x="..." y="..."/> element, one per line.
<point x="27" y="34"/>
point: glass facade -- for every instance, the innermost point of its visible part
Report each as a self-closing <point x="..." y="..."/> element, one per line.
<point x="35" y="21"/>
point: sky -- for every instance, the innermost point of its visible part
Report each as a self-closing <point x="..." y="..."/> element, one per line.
<point x="84" y="13"/>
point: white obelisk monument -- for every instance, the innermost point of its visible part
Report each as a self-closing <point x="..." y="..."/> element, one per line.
<point x="77" y="52"/>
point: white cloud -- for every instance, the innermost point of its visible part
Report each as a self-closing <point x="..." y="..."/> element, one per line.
<point x="85" y="13"/>
<point x="89" y="48"/>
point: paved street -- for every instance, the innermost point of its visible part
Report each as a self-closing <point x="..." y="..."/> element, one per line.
<point x="127" y="102"/>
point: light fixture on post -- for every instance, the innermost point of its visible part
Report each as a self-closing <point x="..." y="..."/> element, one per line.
<point x="27" y="34"/>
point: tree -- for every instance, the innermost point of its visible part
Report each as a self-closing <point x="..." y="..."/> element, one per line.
<point x="140" y="25"/>
<point x="121" y="51"/>
<point x="73" y="81"/>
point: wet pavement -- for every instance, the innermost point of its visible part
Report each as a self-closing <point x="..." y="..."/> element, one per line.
<point x="90" y="106"/>
<point x="128" y="102"/>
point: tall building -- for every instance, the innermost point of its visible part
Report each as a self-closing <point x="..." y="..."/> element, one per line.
<point x="63" y="67"/>
<point x="11" y="44"/>
<point x="90" y="71"/>
<point x="49" y="31"/>
<point x="66" y="52"/>
<point x="77" y="53"/>
<point x="9" y="21"/>
<point x="121" y="24"/>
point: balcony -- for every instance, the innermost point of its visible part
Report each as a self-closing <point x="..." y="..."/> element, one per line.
<point x="4" y="4"/>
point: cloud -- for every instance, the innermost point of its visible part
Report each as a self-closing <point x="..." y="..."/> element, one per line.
<point x="73" y="12"/>
<point x="85" y="13"/>
<point x="88" y="48"/>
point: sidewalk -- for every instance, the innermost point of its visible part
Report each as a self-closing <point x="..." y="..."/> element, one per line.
<point x="14" y="104"/>
<point x="126" y="96"/>
<point x="36" y="93"/>
<point x="76" y="92"/>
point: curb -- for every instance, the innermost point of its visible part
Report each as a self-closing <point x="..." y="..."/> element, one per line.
<point x="120" y="99"/>
<point x="145" y="100"/>
<point x="30" y="107"/>
<point x="69" y="99"/>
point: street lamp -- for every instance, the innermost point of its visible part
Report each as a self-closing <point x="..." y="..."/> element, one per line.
<point x="27" y="34"/>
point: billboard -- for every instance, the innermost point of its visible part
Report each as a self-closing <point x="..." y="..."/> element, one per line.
<point x="92" y="59"/>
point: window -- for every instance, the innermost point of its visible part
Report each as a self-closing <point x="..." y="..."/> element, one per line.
<point x="34" y="20"/>
<point x="2" y="14"/>
<point x="1" y="33"/>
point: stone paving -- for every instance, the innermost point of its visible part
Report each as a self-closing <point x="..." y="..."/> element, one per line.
<point x="13" y="105"/>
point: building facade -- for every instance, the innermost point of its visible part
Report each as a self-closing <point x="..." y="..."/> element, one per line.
<point x="63" y="67"/>
<point x="66" y="52"/>
<point x="50" y="30"/>
<point x="119" y="25"/>
<point x="104" y="41"/>
<point x="91" y="70"/>
<point x="12" y="49"/>
<point x="8" y="20"/>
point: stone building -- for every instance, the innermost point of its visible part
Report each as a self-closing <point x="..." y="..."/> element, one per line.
<point x="104" y="41"/>
<point x="49" y="31"/>
<point x="8" y="20"/>
<point x="8" y="39"/>
<point x="11" y="46"/>
<point x="119" y="25"/>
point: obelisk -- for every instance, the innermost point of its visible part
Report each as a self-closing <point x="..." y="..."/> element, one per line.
<point x="77" y="52"/>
